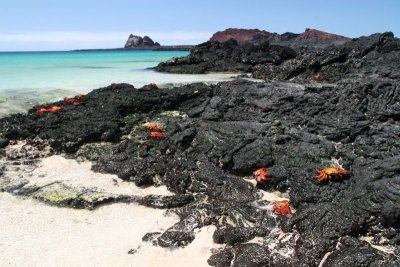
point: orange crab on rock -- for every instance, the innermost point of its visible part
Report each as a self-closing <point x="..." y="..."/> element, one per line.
<point x="47" y="109"/>
<point x="153" y="126"/>
<point x="261" y="175"/>
<point x="74" y="101"/>
<point x="331" y="172"/>
<point x="157" y="135"/>
<point x="282" y="207"/>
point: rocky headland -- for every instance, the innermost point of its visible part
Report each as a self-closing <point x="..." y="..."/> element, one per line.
<point x="246" y="35"/>
<point x="295" y="60"/>
<point x="337" y="105"/>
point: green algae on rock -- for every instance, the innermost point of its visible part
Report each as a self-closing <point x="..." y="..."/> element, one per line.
<point x="58" y="195"/>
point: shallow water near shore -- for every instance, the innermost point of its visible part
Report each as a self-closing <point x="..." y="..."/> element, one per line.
<point x="31" y="78"/>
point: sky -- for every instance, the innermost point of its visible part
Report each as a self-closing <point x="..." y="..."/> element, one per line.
<point x="32" y="25"/>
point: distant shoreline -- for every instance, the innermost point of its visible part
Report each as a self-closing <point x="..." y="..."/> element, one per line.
<point x="150" y="48"/>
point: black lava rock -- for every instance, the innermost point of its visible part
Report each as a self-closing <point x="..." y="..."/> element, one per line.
<point x="227" y="56"/>
<point x="369" y="56"/>
<point x="221" y="259"/>
<point x="4" y="142"/>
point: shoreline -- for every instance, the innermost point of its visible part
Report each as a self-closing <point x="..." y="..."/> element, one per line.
<point x="299" y="169"/>
<point x="110" y="234"/>
<point x="22" y="102"/>
<point x="149" y="48"/>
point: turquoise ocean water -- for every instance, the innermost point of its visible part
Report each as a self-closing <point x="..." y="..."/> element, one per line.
<point x="30" y="78"/>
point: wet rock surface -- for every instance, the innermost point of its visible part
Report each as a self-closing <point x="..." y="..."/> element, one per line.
<point x="217" y="135"/>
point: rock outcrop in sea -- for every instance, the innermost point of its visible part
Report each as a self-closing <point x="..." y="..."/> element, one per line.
<point x="138" y="41"/>
<point x="318" y="107"/>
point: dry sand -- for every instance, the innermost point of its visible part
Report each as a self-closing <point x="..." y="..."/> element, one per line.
<point x="34" y="234"/>
<point x="79" y="174"/>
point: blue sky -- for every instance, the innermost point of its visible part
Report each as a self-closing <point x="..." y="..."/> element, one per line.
<point x="72" y="24"/>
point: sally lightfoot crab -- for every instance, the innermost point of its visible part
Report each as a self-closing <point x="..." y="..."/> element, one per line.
<point x="261" y="175"/>
<point x="331" y="172"/>
<point x="153" y="127"/>
<point x="282" y="207"/>
<point x="156" y="135"/>
<point x="48" y="109"/>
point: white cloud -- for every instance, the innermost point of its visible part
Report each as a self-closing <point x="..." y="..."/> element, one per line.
<point x="77" y="39"/>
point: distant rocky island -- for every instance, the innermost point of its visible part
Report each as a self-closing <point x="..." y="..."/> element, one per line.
<point x="138" y="41"/>
<point x="146" y="43"/>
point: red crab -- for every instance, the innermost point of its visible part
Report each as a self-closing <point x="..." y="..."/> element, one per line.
<point x="261" y="175"/>
<point x="153" y="126"/>
<point x="318" y="77"/>
<point x="71" y="101"/>
<point x="48" y="109"/>
<point x="79" y="97"/>
<point x="157" y="135"/>
<point x="282" y="207"/>
<point x="330" y="172"/>
<point x="75" y="100"/>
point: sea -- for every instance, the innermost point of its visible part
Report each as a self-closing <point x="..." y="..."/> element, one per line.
<point x="31" y="78"/>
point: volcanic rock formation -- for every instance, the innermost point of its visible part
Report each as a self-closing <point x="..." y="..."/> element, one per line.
<point x="137" y="41"/>
<point x="229" y="56"/>
<point x="312" y="34"/>
<point x="372" y="56"/>
<point x="245" y="35"/>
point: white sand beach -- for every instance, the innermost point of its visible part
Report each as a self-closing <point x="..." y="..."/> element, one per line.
<point x="35" y="234"/>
